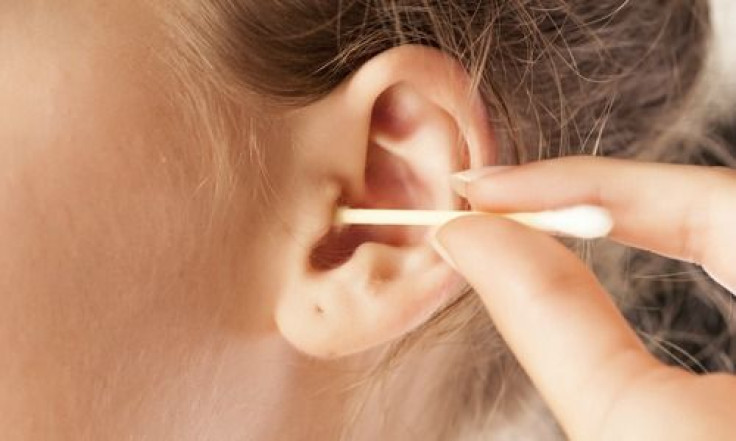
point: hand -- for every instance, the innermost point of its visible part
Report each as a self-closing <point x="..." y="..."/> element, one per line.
<point x="586" y="361"/>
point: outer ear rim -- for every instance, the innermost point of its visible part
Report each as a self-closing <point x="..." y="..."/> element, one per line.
<point x="442" y="81"/>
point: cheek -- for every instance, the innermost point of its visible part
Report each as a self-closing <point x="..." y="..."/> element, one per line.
<point x="89" y="174"/>
<point x="106" y="220"/>
<point x="114" y="262"/>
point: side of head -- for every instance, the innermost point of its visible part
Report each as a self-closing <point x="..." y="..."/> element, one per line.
<point x="356" y="83"/>
<point x="375" y="104"/>
<point x="170" y="186"/>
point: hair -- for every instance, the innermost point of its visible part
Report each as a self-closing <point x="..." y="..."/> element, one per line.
<point x="559" y="77"/>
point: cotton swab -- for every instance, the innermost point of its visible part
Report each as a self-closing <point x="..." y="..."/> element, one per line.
<point x="582" y="221"/>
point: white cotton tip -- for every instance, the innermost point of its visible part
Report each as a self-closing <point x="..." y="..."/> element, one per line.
<point x="582" y="221"/>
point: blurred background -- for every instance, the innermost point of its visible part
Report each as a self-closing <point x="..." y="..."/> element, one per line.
<point x="723" y="61"/>
<point x="699" y="332"/>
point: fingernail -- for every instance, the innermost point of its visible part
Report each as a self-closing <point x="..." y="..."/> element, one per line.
<point x="440" y="249"/>
<point x="459" y="181"/>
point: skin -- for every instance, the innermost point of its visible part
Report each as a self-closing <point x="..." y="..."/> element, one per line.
<point x="128" y="310"/>
<point x="581" y="354"/>
<point x="117" y="319"/>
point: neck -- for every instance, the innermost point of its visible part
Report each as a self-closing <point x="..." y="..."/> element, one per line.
<point x="263" y="389"/>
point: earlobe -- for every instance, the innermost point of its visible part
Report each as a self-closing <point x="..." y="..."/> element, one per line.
<point x="411" y="120"/>
<point x="379" y="294"/>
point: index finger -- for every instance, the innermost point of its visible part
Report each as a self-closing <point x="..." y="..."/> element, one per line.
<point x="681" y="211"/>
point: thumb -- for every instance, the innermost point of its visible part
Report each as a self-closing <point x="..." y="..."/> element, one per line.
<point x="554" y="315"/>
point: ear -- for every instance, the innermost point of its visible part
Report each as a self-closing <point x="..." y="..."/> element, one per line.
<point x="388" y="137"/>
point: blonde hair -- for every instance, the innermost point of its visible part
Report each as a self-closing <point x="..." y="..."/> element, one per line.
<point x="559" y="77"/>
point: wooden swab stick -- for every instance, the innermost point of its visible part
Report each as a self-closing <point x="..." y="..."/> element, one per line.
<point x="582" y="221"/>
